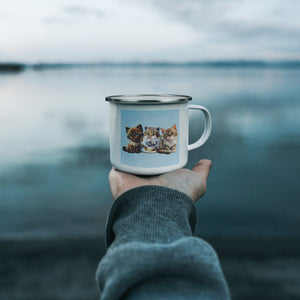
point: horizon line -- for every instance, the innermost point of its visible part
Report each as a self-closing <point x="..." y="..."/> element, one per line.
<point x="17" y="66"/>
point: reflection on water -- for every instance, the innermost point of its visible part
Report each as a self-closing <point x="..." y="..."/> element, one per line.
<point x="54" y="152"/>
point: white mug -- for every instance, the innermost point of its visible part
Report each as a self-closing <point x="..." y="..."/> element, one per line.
<point x="149" y="133"/>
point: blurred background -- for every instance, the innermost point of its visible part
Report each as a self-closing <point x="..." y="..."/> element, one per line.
<point x="59" y="59"/>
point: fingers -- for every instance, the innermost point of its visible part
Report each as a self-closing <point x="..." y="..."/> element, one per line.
<point x="114" y="181"/>
<point x="203" y="166"/>
<point x="112" y="174"/>
<point x="115" y="174"/>
<point x="120" y="182"/>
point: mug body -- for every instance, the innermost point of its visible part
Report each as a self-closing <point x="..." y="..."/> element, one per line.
<point x="148" y="139"/>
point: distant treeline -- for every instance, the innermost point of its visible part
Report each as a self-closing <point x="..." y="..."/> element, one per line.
<point x="11" y="67"/>
<point x="16" y="67"/>
<point x="207" y="64"/>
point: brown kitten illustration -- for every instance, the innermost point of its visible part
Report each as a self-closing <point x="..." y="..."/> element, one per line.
<point x="168" y="142"/>
<point x="151" y="139"/>
<point x="135" y="135"/>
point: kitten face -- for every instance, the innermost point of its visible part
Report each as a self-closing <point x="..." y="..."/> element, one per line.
<point x="151" y="136"/>
<point x="170" y="134"/>
<point x="135" y="134"/>
<point x="152" y="132"/>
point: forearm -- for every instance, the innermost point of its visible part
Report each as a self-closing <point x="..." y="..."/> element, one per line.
<point x="152" y="253"/>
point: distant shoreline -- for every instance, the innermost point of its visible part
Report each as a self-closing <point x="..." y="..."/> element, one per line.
<point x="17" y="67"/>
<point x="11" y="67"/>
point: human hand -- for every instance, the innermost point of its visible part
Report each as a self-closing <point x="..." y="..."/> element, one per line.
<point x="191" y="182"/>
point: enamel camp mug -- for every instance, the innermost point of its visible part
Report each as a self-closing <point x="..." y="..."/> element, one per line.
<point x="149" y="133"/>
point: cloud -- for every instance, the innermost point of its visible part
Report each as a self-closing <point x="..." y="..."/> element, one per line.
<point x="241" y="25"/>
<point x="83" y="11"/>
<point x="243" y="18"/>
<point x="4" y="15"/>
<point x="196" y="12"/>
<point x="57" y="20"/>
<point x="151" y="30"/>
<point x="72" y="14"/>
<point x="248" y="30"/>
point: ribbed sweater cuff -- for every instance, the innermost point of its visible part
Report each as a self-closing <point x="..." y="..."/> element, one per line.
<point x="151" y="213"/>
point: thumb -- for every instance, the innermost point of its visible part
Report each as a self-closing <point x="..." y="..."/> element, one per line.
<point x="203" y="166"/>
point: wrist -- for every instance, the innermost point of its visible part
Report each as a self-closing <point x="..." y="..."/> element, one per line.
<point x="151" y="213"/>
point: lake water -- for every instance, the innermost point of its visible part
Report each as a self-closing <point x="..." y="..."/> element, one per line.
<point x="54" y="154"/>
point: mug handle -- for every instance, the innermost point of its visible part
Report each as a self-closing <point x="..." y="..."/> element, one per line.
<point x="207" y="128"/>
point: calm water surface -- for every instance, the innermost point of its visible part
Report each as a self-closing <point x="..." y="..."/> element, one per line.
<point x="54" y="154"/>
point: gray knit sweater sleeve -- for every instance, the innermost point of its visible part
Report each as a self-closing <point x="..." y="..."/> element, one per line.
<point x="152" y="253"/>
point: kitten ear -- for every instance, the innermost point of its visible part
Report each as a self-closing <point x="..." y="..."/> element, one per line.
<point x="127" y="128"/>
<point x="162" y="130"/>
<point x="140" y="127"/>
<point x="146" y="127"/>
<point x="174" y="126"/>
<point x="157" y="129"/>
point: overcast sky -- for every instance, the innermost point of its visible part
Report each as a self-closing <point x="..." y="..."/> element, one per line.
<point x="147" y="30"/>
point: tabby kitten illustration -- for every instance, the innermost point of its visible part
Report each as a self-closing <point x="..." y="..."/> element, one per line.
<point x="168" y="142"/>
<point x="151" y="139"/>
<point x="135" y="135"/>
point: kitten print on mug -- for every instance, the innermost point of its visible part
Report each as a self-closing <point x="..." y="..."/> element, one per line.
<point x="151" y="140"/>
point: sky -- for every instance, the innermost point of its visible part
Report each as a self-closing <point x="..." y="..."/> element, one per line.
<point x="150" y="30"/>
